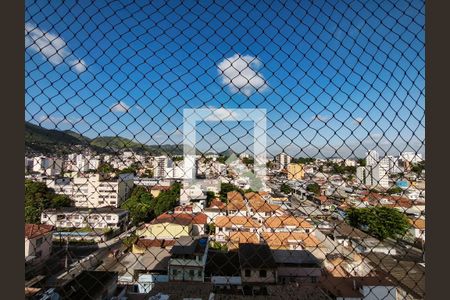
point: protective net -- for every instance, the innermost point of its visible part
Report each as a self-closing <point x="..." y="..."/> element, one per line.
<point x="224" y="149"/>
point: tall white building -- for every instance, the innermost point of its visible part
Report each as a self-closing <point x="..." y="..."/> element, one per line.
<point x="160" y="165"/>
<point x="372" y="158"/>
<point x="92" y="191"/>
<point x="47" y="166"/>
<point x="283" y="159"/>
<point x="373" y="176"/>
<point x="394" y="164"/>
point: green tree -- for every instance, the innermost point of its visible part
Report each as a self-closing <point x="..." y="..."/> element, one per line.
<point x="139" y="205"/>
<point x="210" y="228"/>
<point x="362" y="162"/>
<point x="313" y="188"/>
<point x="167" y="200"/>
<point x="149" y="172"/>
<point x="105" y="168"/>
<point x="222" y="159"/>
<point x="61" y="201"/>
<point x="248" y="161"/>
<point x="418" y="167"/>
<point x="209" y="197"/>
<point x="226" y="187"/>
<point x="39" y="197"/>
<point x="286" y="189"/>
<point x="379" y="221"/>
<point x="394" y="190"/>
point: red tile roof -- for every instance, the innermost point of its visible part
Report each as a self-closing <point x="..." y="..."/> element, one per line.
<point x="34" y="230"/>
<point x="397" y="201"/>
<point x="181" y="218"/>
<point x="216" y="203"/>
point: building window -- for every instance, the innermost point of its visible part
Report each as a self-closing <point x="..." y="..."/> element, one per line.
<point x="191" y="273"/>
<point x="247" y="273"/>
<point x="174" y="272"/>
<point x="39" y="242"/>
<point x="199" y="273"/>
<point x="262" y="273"/>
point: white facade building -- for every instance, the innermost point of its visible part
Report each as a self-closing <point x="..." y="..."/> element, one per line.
<point x="283" y="159"/>
<point x="71" y="217"/>
<point x="47" y="166"/>
<point x="372" y="158"/>
<point x="92" y="191"/>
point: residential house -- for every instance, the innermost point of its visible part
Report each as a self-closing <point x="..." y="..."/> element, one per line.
<point x="238" y="237"/>
<point x="170" y="226"/>
<point x="225" y="225"/>
<point x="216" y="208"/>
<point x="188" y="259"/>
<point x="261" y="209"/>
<point x="292" y="241"/>
<point x="287" y="223"/>
<point x="296" y="266"/>
<point x="223" y="269"/>
<point x="236" y="205"/>
<point x="257" y="265"/>
<point x="38" y="242"/>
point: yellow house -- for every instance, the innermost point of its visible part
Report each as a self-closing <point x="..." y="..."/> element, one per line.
<point x="172" y="226"/>
<point x="164" y="230"/>
<point x="295" y="171"/>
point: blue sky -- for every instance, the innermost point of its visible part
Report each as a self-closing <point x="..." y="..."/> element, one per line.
<point x="336" y="77"/>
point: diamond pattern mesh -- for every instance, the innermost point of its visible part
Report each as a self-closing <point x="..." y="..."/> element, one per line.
<point x="226" y="148"/>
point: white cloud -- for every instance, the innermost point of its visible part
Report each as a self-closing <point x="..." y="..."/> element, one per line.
<point x="120" y="107"/>
<point x="52" y="47"/>
<point x="78" y="65"/>
<point x="218" y="114"/>
<point x="238" y="72"/>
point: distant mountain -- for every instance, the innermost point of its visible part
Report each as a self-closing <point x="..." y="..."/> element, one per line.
<point x="46" y="141"/>
<point x="39" y="140"/>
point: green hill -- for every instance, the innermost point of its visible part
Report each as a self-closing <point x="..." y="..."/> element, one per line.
<point x="50" y="141"/>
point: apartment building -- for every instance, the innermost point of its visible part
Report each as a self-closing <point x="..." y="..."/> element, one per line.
<point x="93" y="191"/>
<point x="47" y="166"/>
<point x="372" y="158"/>
<point x="283" y="160"/>
<point x="373" y="175"/>
<point x="72" y="217"/>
